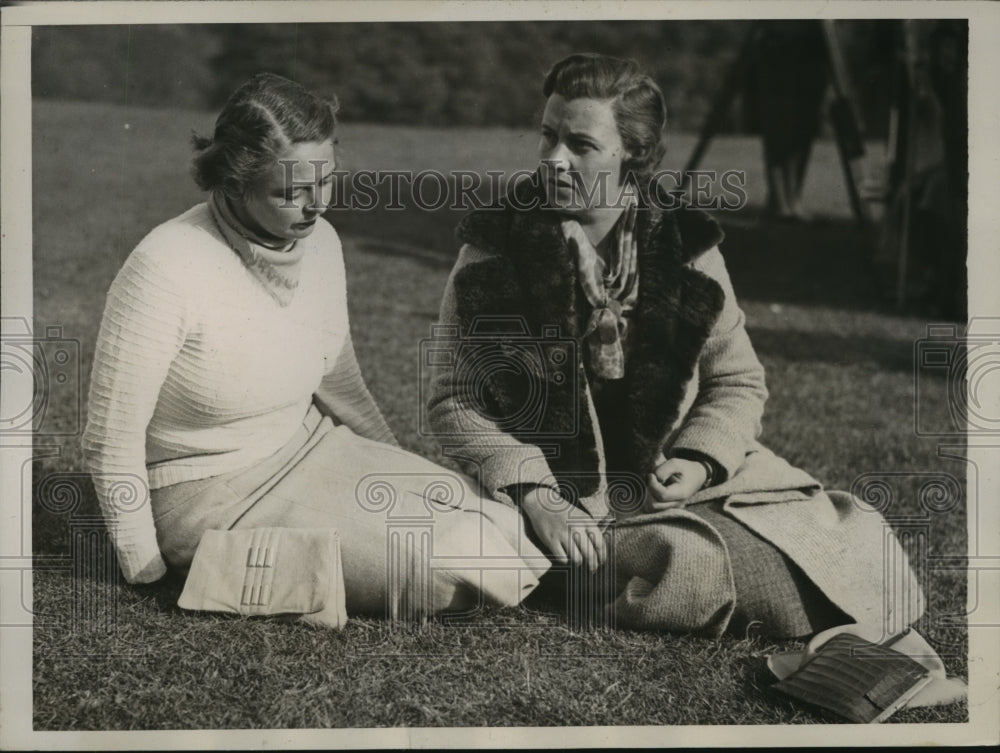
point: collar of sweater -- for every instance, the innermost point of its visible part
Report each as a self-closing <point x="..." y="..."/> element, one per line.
<point x="276" y="269"/>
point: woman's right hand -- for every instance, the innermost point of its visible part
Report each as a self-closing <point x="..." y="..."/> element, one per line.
<point x="578" y="540"/>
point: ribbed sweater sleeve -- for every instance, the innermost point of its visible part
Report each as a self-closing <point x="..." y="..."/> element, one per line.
<point x="143" y="328"/>
<point x="343" y="396"/>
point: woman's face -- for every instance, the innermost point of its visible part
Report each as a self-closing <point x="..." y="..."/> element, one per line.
<point x="285" y="203"/>
<point x="580" y="150"/>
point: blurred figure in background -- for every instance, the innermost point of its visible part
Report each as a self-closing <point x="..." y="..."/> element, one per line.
<point x="949" y="68"/>
<point x="785" y="88"/>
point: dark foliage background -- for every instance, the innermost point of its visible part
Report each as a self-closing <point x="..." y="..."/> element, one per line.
<point x="418" y="73"/>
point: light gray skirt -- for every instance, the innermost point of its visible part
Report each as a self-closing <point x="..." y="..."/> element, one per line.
<point x="416" y="538"/>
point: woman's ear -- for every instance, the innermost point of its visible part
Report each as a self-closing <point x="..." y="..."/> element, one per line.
<point x="635" y="159"/>
<point x="627" y="165"/>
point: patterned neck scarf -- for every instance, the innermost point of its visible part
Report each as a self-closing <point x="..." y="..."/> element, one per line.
<point x="611" y="288"/>
<point x="277" y="269"/>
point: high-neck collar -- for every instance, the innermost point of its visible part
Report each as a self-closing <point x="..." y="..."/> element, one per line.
<point x="276" y="269"/>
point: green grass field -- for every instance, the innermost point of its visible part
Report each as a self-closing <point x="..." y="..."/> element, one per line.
<point x="111" y="656"/>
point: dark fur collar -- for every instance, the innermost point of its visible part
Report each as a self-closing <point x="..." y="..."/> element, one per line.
<point x="532" y="276"/>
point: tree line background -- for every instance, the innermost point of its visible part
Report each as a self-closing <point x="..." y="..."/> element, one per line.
<point x="461" y="74"/>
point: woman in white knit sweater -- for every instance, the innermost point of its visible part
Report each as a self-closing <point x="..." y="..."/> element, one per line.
<point x="225" y="391"/>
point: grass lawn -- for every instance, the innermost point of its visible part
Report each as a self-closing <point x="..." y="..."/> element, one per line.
<point x="111" y="656"/>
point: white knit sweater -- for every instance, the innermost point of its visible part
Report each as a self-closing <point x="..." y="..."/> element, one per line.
<point x="198" y="371"/>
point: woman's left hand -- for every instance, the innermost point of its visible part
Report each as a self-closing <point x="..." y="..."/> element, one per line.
<point x="672" y="483"/>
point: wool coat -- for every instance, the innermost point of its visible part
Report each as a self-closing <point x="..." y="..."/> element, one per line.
<point x="510" y="396"/>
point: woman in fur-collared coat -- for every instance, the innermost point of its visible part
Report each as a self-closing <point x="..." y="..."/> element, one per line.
<point x="595" y="371"/>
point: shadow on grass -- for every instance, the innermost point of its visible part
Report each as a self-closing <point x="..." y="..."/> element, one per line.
<point x="827" y="261"/>
<point x="830" y="348"/>
<point x="831" y="262"/>
<point x="824" y="262"/>
<point x="426" y="234"/>
<point x="166" y="591"/>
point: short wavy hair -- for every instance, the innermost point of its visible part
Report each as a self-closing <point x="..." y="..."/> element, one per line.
<point x="636" y="101"/>
<point x="260" y="120"/>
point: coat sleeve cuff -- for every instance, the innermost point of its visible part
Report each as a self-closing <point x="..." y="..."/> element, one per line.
<point x="712" y="443"/>
<point x="715" y="473"/>
<point x="509" y="469"/>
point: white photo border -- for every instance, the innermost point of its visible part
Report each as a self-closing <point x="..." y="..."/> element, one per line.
<point x="16" y="299"/>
